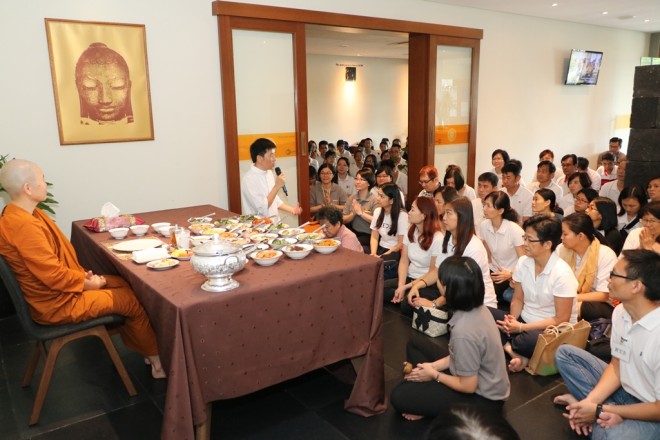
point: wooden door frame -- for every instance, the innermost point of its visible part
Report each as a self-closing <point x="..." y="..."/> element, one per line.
<point x="424" y="38"/>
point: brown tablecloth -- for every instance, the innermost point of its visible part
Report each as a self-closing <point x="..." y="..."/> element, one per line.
<point x="282" y="322"/>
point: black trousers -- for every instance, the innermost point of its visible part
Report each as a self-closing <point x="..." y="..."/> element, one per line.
<point x="430" y="293"/>
<point x="522" y="343"/>
<point x="430" y="398"/>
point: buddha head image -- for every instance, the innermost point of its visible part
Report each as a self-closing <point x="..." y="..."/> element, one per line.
<point x="104" y="86"/>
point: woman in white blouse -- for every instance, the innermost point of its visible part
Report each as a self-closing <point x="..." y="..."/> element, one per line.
<point x="454" y="178"/>
<point x="503" y="239"/>
<point x="389" y="223"/>
<point x="343" y="178"/>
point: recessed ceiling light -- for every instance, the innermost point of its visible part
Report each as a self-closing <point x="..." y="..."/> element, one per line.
<point x="555" y="4"/>
<point x="605" y="12"/>
<point x="647" y="20"/>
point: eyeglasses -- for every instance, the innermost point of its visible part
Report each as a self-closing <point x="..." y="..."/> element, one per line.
<point x="649" y="220"/>
<point x="529" y="240"/>
<point x="618" y="275"/>
<point x="329" y="173"/>
<point x="424" y="182"/>
<point x="581" y="201"/>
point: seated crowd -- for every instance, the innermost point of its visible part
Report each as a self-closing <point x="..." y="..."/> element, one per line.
<point x="529" y="256"/>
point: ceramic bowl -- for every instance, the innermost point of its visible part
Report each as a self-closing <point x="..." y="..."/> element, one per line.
<point x="326" y="246"/>
<point x="268" y="259"/>
<point x="139" y="230"/>
<point x="297" y="251"/>
<point x="118" y="233"/>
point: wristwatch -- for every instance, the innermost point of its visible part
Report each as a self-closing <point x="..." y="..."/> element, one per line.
<point x="599" y="409"/>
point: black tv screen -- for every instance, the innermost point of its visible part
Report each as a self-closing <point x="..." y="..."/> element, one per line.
<point x="583" y="67"/>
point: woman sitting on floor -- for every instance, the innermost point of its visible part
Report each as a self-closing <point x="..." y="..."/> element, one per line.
<point x="421" y="244"/>
<point x="460" y="240"/>
<point x="359" y="208"/>
<point x="389" y="223"/>
<point x="442" y="195"/>
<point x="325" y="192"/>
<point x="591" y="262"/>
<point x="544" y="294"/>
<point x="602" y="211"/>
<point x="475" y="358"/>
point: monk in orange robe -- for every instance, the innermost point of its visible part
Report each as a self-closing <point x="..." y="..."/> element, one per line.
<point x="57" y="289"/>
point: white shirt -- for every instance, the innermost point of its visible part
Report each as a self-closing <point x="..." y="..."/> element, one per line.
<point x="606" y="261"/>
<point x="557" y="279"/>
<point x="386" y="240"/>
<point x="475" y="250"/>
<point x="559" y="193"/>
<point x="478" y="214"/>
<point x="595" y="179"/>
<point x="402" y="183"/>
<point x="521" y="201"/>
<point x="637" y="346"/>
<point x="314" y="163"/>
<point x="347" y="184"/>
<point x="609" y="176"/>
<point x="469" y="192"/>
<point x="567" y="203"/>
<point x="255" y="187"/>
<point x="420" y="259"/>
<point x="502" y="243"/>
<point x="561" y="181"/>
<point x="622" y="221"/>
<point x="610" y="191"/>
<point x="632" y="240"/>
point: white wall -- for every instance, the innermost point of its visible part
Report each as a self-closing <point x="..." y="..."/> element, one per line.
<point x="522" y="104"/>
<point x="375" y="105"/>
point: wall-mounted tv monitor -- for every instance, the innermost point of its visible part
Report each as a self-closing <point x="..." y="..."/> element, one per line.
<point x="583" y="67"/>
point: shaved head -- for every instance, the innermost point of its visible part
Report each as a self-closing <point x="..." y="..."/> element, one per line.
<point x="16" y="173"/>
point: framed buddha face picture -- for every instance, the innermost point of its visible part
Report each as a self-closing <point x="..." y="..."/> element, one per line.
<point x="100" y="81"/>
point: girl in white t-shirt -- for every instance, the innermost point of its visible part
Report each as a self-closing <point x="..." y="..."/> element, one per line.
<point x="421" y="244"/>
<point x="389" y="223"/>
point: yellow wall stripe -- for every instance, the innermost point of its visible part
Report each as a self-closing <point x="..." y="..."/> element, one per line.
<point x="451" y="134"/>
<point x="285" y="142"/>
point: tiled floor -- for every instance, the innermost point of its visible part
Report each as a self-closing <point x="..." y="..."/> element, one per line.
<point x="86" y="399"/>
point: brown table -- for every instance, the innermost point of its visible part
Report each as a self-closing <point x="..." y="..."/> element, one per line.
<point x="283" y="321"/>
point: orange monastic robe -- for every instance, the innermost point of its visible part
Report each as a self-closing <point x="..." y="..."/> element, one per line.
<point x="47" y="269"/>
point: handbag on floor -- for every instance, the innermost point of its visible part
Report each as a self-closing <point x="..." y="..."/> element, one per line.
<point x="543" y="359"/>
<point x="430" y="321"/>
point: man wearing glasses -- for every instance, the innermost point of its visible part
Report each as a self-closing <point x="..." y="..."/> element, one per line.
<point x="620" y="400"/>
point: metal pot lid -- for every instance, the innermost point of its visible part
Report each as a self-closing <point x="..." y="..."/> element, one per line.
<point x="216" y="247"/>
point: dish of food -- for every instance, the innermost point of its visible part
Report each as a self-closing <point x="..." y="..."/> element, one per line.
<point x="238" y="240"/>
<point x="182" y="254"/>
<point x="297" y="251"/>
<point x="309" y="236"/>
<point x="326" y="246"/>
<point x="193" y="220"/>
<point x="226" y="222"/>
<point x="164" y="264"/>
<point x="266" y="257"/>
<point x="289" y="232"/>
<point x="262" y="221"/>
<point x="247" y="218"/>
<point x="199" y="228"/>
<point x="262" y="237"/>
<point x="137" y="245"/>
<point x="278" y="226"/>
<point x="283" y="241"/>
<point x="211" y="231"/>
<point x="265" y="254"/>
<point x="327" y="242"/>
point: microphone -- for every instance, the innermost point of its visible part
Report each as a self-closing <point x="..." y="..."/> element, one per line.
<point x="278" y="171"/>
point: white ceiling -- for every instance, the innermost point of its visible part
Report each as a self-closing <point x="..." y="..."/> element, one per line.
<point x="635" y="15"/>
<point x="623" y="14"/>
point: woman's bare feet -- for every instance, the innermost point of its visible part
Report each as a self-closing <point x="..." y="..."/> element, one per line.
<point x="412" y="417"/>
<point x="157" y="371"/>
<point x="518" y="362"/>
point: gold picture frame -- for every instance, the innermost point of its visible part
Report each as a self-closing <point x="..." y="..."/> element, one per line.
<point x="100" y="81"/>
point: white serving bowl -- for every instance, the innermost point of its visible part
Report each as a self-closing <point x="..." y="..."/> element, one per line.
<point x="139" y="230"/>
<point x="157" y="226"/>
<point x="197" y="240"/>
<point x="198" y="228"/>
<point x="297" y="251"/>
<point x="268" y="261"/>
<point x="118" y="233"/>
<point x="326" y="249"/>
<point x="166" y="231"/>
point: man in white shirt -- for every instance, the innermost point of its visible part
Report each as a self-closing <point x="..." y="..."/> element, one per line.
<point x="342" y="151"/>
<point x="395" y="155"/>
<point x="548" y="154"/>
<point x="611" y="190"/>
<point x="521" y="197"/>
<point x="259" y="187"/>
<point x="568" y="167"/>
<point x="545" y="174"/>
<point x="583" y="165"/>
<point x="486" y="184"/>
<point x="620" y="400"/>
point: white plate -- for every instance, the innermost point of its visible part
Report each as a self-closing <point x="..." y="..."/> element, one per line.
<point x="163" y="264"/>
<point x="137" y="245"/>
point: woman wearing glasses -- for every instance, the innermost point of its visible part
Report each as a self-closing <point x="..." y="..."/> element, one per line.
<point x="591" y="262"/>
<point x="429" y="180"/>
<point x="544" y="294"/>
<point x="325" y="192"/>
<point x="583" y="198"/>
<point x="648" y="235"/>
<point x="576" y="182"/>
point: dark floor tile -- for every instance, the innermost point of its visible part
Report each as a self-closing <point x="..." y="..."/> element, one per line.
<point x="304" y="426"/>
<point x="11" y="332"/>
<point x="395" y="336"/>
<point x="319" y="389"/>
<point x="539" y="419"/>
<point x="255" y="413"/>
<point x="141" y="421"/>
<point x="525" y="387"/>
<point x="8" y="427"/>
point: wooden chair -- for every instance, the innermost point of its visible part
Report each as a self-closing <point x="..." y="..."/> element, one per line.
<point x="59" y="336"/>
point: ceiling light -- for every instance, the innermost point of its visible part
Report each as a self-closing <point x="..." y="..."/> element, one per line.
<point x="647" y="20"/>
<point x="605" y="12"/>
<point x="555" y="4"/>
